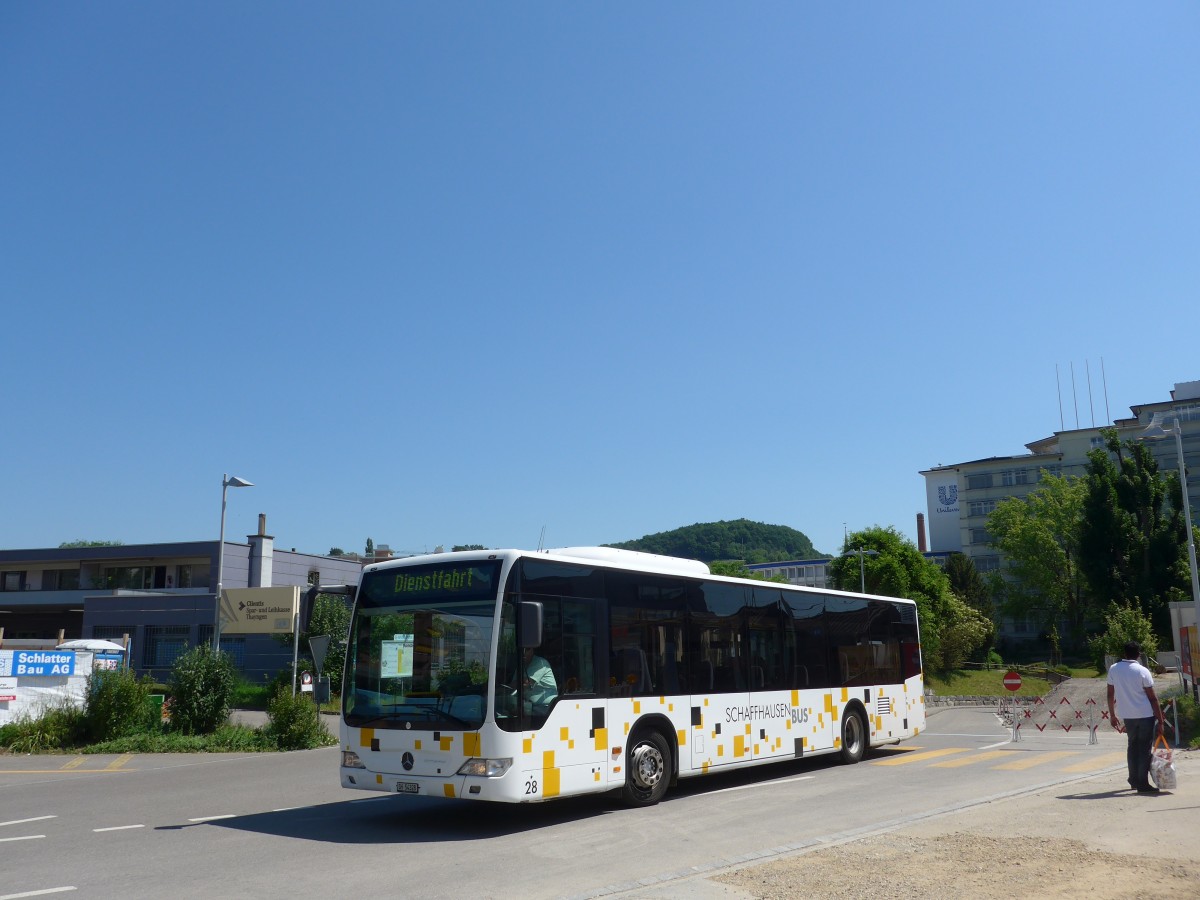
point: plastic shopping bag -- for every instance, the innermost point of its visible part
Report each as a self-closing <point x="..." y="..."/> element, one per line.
<point x="1162" y="766"/>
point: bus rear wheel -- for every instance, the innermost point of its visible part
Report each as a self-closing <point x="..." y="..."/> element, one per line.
<point x="648" y="768"/>
<point x="854" y="736"/>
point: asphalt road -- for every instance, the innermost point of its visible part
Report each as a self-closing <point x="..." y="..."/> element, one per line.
<point x="279" y="825"/>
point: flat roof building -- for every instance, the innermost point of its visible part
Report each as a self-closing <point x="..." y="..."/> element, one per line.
<point x="163" y="596"/>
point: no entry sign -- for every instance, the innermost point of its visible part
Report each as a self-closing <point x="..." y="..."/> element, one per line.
<point x="1012" y="681"/>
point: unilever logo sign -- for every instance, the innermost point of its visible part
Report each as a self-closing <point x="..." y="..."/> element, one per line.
<point x="947" y="495"/>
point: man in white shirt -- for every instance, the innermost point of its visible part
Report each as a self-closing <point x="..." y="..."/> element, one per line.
<point x="1131" y="696"/>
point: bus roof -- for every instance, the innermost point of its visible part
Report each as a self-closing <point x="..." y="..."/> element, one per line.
<point x="617" y="558"/>
<point x="629" y="559"/>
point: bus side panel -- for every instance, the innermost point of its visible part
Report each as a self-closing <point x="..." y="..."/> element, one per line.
<point x="716" y="738"/>
<point x="735" y="729"/>
<point x="914" y="698"/>
<point x="898" y="711"/>
<point x="624" y="713"/>
<point x="569" y="754"/>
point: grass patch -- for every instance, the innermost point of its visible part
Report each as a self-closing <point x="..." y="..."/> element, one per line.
<point x="982" y="683"/>
<point x="226" y="739"/>
<point x="251" y="696"/>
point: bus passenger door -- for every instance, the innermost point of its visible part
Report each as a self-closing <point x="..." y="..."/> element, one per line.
<point x="721" y="732"/>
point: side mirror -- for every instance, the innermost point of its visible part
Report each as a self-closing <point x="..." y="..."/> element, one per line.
<point x="309" y="597"/>
<point x="531" y="624"/>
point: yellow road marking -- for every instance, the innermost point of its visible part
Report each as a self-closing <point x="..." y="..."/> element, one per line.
<point x="118" y="762"/>
<point x="918" y="757"/>
<point x="75" y="763"/>
<point x="1035" y="759"/>
<point x="1098" y="762"/>
<point x="970" y="760"/>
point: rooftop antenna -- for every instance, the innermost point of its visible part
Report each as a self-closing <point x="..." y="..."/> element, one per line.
<point x="542" y="539"/>
<point x="1058" y="384"/>
<point x="1091" y="409"/>
<point x="1104" y="381"/>
<point x="1074" y="395"/>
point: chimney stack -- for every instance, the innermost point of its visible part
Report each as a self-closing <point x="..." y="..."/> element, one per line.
<point x="922" y="543"/>
<point x="262" y="555"/>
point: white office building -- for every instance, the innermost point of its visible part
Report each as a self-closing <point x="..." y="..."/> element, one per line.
<point x="960" y="496"/>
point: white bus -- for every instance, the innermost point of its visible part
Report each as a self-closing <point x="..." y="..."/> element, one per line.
<point x="522" y="676"/>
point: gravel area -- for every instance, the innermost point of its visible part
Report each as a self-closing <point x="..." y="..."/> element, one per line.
<point x="1090" y="839"/>
<point x="967" y="864"/>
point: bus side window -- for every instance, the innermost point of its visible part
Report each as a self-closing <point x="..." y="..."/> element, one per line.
<point x="631" y="671"/>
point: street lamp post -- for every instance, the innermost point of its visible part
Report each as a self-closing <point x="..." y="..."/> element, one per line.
<point x="862" y="569"/>
<point x="1153" y="432"/>
<point x="226" y="483"/>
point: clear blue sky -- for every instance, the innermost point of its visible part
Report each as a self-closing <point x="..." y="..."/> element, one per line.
<point x="452" y="273"/>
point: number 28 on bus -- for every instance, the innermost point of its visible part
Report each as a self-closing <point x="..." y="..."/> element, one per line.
<point x="522" y="676"/>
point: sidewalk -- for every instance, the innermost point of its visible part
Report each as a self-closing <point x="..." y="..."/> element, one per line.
<point x="255" y="718"/>
<point x="1089" y="838"/>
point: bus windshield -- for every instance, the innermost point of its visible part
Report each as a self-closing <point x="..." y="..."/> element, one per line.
<point x="419" y="646"/>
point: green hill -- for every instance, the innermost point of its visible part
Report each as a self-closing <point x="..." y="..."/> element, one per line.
<point x="751" y="542"/>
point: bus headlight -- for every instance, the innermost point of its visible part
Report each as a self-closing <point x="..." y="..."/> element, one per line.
<point x="350" y="760"/>
<point x="486" y="768"/>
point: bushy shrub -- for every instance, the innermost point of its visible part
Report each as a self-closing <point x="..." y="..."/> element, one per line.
<point x="57" y="728"/>
<point x="994" y="659"/>
<point x="293" y="723"/>
<point x="202" y="686"/>
<point x="1122" y="623"/>
<point x="118" y="705"/>
<point x="282" y="680"/>
<point x="1189" y="721"/>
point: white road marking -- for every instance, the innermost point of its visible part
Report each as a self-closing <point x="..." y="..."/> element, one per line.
<point x="41" y="893"/>
<point x="118" y="828"/>
<point x="746" y="787"/>
<point x="27" y="837"/>
<point x="213" y="818"/>
<point x="23" y="821"/>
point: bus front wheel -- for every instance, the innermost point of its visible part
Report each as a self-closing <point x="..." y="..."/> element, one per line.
<point x="648" y="768"/>
<point x="854" y="736"/>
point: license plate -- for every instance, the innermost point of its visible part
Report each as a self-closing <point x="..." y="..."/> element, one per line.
<point x="407" y="787"/>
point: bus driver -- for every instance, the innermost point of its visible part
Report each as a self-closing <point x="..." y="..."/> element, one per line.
<point x="540" y="685"/>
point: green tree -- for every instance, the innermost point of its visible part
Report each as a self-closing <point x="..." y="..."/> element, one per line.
<point x="76" y="545"/>
<point x="735" y="568"/>
<point x="330" y="616"/>
<point x="972" y="588"/>
<point x="370" y="549"/>
<point x="968" y="585"/>
<point x="1040" y="536"/>
<point x="950" y="629"/>
<point x="458" y="547"/>
<point x="1132" y="539"/>
<point x="336" y="551"/>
